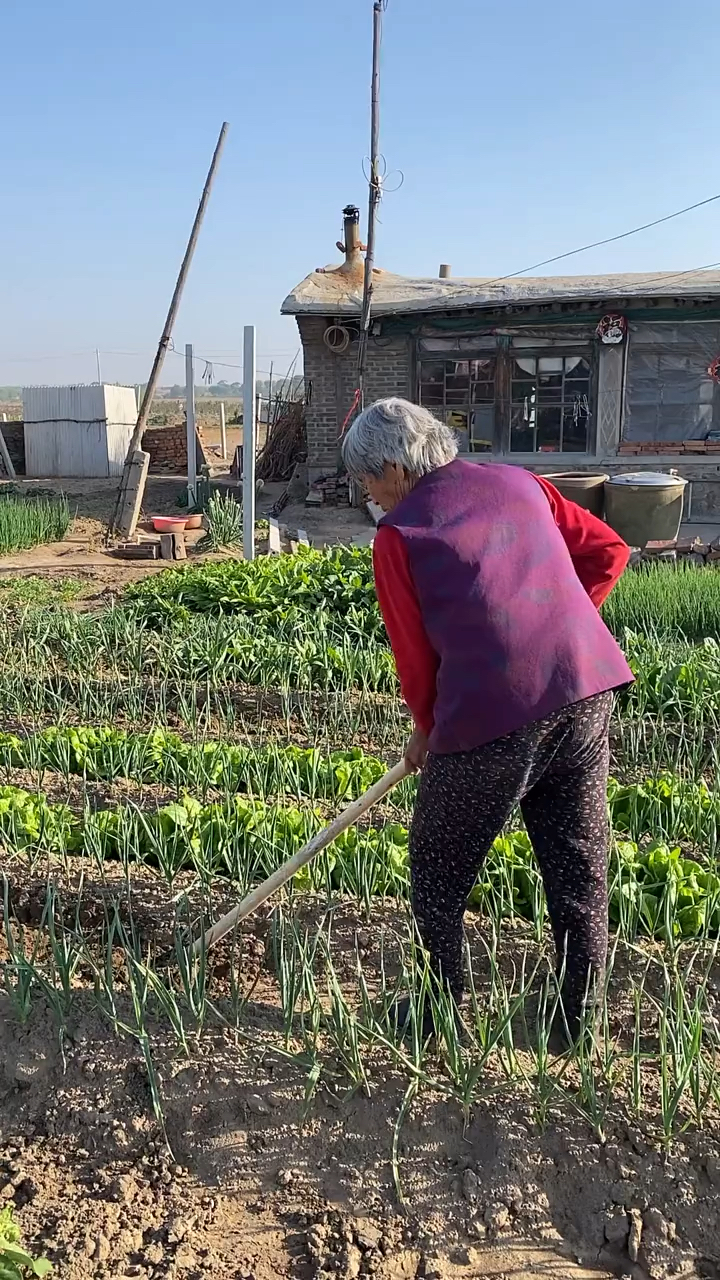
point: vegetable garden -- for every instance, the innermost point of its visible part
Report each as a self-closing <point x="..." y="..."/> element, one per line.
<point x="159" y="757"/>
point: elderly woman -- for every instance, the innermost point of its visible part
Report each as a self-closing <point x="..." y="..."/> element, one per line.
<point x="489" y="583"/>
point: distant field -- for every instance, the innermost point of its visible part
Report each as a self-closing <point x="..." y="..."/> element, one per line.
<point x="164" y="412"/>
<point x="12" y="408"/>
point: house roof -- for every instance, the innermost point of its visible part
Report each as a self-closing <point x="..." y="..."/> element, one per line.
<point x="333" y="291"/>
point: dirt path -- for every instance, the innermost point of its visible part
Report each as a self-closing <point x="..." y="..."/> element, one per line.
<point x="83" y="555"/>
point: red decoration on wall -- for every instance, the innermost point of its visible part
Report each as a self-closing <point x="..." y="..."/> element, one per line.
<point x="612" y="329"/>
<point x="714" y="369"/>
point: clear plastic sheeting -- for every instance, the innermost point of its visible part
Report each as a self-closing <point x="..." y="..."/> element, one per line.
<point x="669" y="394"/>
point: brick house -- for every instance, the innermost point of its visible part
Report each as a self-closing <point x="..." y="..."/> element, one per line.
<point x="614" y="372"/>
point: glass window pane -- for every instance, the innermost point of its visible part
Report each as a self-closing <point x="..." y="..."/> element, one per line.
<point x="550" y="364"/>
<point x="431" y="394"/>
<point x="523" y="388"/>
<point x="548" y="429"/>
<point x="522" y="441"/>
<point x="575" y="429"/>
<point x="523" y="413"/>
<point x="457" y="420"/>
<point x="432" y="371"/>
<point x="482" y="370"/>
<point x="459" y="423"/>
<point x="549" y="387"/>
<point x="576" y="387"/>
<point x="522" y="430"/>
<point x="482" y="429"/>
<point x="483" y="393"/>
<point x="457" y="395"/>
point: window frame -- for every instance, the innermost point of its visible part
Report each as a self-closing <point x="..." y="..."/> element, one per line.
<point x="504" y="355"/>
<point x="446" y="358"/>
<point x="539" y="353"/>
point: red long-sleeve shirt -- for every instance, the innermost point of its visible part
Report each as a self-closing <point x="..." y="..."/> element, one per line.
<point x="598" y="555"/>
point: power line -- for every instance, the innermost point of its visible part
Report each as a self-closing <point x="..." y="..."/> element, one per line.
<point x="609" y="240"/>
<point x="665" y="278"/>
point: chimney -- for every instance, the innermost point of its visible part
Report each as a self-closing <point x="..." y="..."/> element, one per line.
<point x="444" y="272"/>
<point x="351" y="233"/>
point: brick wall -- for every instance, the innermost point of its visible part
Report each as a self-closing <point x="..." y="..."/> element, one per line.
<point x="167" y="447"/>
<point x="334" y="378"/>
<point x="675" y="447"/>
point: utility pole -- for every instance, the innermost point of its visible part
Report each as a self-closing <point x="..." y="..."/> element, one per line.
<point x="190" y="425"/>
<point x="248" y="453"/>
<point x="97" y="358"/>
<point x="127" y="506"/>
<point x="223" y="431"/>
<point x="375" y="195"/>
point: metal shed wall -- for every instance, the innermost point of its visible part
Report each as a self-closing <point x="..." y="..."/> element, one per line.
<point x="77" y="430"/>
<point x="120" y="419"/>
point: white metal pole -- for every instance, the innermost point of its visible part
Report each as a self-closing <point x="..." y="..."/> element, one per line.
<point x="249" y="442"/>
<point x="97" y="357"/>
<point x="223" y="431"/>
<point x="190" y="416"/>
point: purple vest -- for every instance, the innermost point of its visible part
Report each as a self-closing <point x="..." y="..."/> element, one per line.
<point x="516" y="633"/>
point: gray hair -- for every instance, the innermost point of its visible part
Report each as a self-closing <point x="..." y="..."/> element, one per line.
<point x="395" y="430"/>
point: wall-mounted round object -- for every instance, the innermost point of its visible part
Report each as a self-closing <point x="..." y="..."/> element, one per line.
<point x="337" y="338"/>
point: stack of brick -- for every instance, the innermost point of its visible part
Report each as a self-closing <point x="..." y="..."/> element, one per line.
<point x="167" y="447"/>
<point x="693" y="550"/>
<point x="674" y="447"/>
<point x="329" y="491"/>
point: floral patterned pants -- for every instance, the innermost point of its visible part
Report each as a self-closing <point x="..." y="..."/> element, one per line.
<point x="556" y="769"/>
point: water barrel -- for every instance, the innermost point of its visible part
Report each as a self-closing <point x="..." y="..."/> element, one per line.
<point x="586" y="488"/>
<point x="645" y="506"/>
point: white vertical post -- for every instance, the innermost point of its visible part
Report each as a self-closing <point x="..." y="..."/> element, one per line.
<point x="190" y="416"/>
<point x="249" y="442"/>
<point x="223" y="431"/>
<point x="97" y="358"/>
<point x="4" y="417"/>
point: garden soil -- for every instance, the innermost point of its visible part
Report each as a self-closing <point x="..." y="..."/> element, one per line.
<point x="83" y="555"/>
<point x="250" y="1176"/>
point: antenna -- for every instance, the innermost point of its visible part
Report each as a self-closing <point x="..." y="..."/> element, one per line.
<point x="375" y="185"/>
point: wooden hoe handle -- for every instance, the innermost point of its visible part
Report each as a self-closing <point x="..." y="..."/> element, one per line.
<point x="257" y="896"/>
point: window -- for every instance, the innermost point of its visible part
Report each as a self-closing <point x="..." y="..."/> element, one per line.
<point x="670" y="396"/>
<point x="520" y="395"/>
<point x="549" y="404"/>
<point x="462" y="393"/>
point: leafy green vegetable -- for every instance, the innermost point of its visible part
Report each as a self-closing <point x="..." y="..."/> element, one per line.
<point x="15" y="1262"/>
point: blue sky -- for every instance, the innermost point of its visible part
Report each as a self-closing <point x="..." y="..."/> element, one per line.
<point x="521" y="130"/>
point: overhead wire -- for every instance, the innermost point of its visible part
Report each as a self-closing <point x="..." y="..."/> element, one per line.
<point x="596" y="244"/>
<point x="665" y="278"/>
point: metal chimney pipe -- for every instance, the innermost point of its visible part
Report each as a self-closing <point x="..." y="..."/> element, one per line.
<point x="445" y="271"/>
<point x="351" y="234"/>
